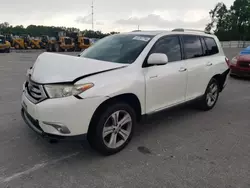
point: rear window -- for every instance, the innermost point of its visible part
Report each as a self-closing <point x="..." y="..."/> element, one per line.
<point x="212" y="47"/>
<point x="192" y="46"/>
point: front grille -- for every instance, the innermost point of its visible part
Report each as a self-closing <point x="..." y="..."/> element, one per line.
<point x="244" y="64"/>
<point x="35" y="92"/>
<point x="67" y="41"/>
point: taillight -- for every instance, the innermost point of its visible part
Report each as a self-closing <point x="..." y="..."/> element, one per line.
<point x="227" y="61"/>
<point x="234" y="61"/>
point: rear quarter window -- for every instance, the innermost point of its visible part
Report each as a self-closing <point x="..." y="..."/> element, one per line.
<point x="212" y="47"/>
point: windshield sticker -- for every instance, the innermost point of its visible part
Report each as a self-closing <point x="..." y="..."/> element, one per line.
<point x="146" y="39"/>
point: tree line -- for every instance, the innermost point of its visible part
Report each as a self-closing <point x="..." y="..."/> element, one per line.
<point x="38" y="30"/>
<point x="231" y="23"/>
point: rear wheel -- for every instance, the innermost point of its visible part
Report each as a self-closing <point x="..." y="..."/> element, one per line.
<point x="112" y="129"/>
<point x="17" y="46"/>
<point x="210" y="97"/>
<point x="57" y="48"/>
<point x="77" y="49"/>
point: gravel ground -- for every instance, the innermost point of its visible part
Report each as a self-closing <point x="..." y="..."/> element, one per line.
<point x="177" y="148"/>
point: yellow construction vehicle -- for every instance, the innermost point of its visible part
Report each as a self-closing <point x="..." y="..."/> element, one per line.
<point x="18" y="42"/>
<point x="81" y="42"/>
<point x="34" y="43"/>
<point x="48" y="43"/>
<point x="44" y="41"/>
<point x="9" y="38"/>
<point x="61" y="43"/>
<point x="4" y="44"/>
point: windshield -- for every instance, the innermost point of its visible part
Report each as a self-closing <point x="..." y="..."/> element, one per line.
<point x="1" y="40"/>
<point x="122" y="48"/>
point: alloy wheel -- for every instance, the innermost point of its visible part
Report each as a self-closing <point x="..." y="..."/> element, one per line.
<point x="212" y="94"/>
<point x="117" y="129"/>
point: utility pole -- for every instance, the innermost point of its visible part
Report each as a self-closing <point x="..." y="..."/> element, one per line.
<point x="138" y="27"/>
<point x="92" y="8"/>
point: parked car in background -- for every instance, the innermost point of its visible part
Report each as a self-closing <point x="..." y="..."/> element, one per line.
<point x="105" y="91"/>
<point x="240" y="64"/>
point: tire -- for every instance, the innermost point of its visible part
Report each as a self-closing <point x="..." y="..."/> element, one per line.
<point x="17" y="47"/>
<point x="96" y="136"/>
<point x="77" y="49"/>
<point x="48" y="48"/>
<point x="57" y="48"/>
<point x="51" y="48"/>
<point x="209" y="99"/>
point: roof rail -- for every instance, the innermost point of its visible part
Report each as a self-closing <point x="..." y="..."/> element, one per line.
<point x="183" y="30"/>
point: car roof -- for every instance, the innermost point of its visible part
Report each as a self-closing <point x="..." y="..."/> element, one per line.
<point x="152" y="32"/>
<point x="176" y="31"/>
<point x="245" y="51"/>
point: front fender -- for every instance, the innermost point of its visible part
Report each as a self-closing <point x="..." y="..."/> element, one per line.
<point x="115" y="83"/>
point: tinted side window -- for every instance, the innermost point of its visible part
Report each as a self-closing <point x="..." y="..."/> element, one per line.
<point x="192" y="46"/>
<point x="204" y="47"/>
<point x="170" y="46"/>
<point x="211" y="45"/>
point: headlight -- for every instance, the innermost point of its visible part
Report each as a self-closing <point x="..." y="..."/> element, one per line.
<point x="234" y="61"/>
<point x="58" y="91"/>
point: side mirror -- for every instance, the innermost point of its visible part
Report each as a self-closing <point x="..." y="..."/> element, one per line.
<point x="157" y="59"/>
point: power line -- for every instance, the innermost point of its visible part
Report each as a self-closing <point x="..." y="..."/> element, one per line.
<point x="92" y="13"/>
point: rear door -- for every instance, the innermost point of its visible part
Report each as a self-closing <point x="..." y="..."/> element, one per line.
<point x="198" y="65"/>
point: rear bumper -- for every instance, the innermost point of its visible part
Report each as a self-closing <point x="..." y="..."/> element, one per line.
<point x="238" y="71"/>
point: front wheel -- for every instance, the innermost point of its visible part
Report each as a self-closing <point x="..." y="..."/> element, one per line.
<point x="7" y="50"/>
<point x="210" y="97"/>
<point x="112" y="129"/>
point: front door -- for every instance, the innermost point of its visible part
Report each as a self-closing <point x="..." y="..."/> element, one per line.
<point x="166" y="84"/>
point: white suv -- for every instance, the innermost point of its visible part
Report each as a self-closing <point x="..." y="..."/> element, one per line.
<point x="105" y="91"/>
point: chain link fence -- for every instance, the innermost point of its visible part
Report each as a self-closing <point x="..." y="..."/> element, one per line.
<point x="235" y="44"/>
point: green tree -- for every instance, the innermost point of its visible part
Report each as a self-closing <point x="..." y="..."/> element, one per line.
<point x="233" y="23"/>
<point x="217" y="15"/>
<point x="38" y="30"/>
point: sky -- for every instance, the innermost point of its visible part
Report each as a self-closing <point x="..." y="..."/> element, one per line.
<point x="110" y="15"/>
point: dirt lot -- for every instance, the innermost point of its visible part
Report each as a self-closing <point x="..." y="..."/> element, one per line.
<point x="178" y="148"/>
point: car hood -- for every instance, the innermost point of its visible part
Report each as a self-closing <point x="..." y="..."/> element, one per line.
<point x="245" y="57"/>
<point x="55" y="68"/>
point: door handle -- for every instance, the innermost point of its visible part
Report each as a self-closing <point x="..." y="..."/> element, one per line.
<point x="209" y="64"/>
<point x="182" y="69"/>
